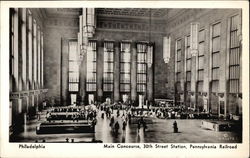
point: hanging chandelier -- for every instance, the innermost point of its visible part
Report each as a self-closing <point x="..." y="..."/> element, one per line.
<point x="150" y="46"/>
<point x="87" y="22"/>
<point x="194" y="38"/>
<point x="166" y="48"/>
<point x="150" y="54"/>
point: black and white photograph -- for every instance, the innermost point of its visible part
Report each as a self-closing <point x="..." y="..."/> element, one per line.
<point x="130" y="75"/>
<point x="125" y="75"/>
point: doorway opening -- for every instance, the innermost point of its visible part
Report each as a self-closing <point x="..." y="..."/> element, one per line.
<point x="73" y="99"/>
<point x="91" y="98"/>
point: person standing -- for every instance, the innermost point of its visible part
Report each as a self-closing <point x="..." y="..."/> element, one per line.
<point x="117" y="126"/>
<point x="144" y="125"/>
<point x="129" y="118"/>
<point x="102" y="115"/>
<point x="93" y="123"/>
<point x="175" y="127"/>
<point x="124" y="125"/>
<point x="118" y="113"/>
<point x="138" y="126"/>
<point x="44" y="105"/>
<point x="39" y="115"/>
<point x="112" y="108"/>
<point x="112" y="120"/>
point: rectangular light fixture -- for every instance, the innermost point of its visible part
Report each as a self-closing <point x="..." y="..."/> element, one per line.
<point x="166" y="48"/>
<point x="194" y="38"/>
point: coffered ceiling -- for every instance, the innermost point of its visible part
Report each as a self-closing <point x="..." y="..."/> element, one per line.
<point x="109" y="12"/>
<point x="118" y="16"/>
<point x="140" y="19"/>
<point x="133" y="12"/>
<point x="62" y="12"/>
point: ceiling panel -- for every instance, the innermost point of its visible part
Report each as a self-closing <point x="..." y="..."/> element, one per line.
<point x="62" y="12"/>
<point x="133" y="12"/>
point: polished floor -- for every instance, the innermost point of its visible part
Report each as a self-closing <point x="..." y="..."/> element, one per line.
<point x="161" y="131"/>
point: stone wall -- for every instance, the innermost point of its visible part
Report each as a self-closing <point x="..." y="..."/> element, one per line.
<point x="57" y="32"/>
<point x="27" y="91"/>
<point x="179" y="27"/>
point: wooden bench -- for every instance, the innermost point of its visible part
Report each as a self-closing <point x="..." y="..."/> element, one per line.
<point x="64" y="127"/>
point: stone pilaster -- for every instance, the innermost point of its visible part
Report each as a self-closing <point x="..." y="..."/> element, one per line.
<point x="116" y="72"/>
<point x="133" y="71"/>
<point x="150" y="81"/>
<point x="99" y="66"/>
<point x="193" y="81"/>
<point x="64" y="72"/>
<point x="82" y="79"/>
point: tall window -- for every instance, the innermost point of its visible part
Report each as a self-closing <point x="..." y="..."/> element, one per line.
<point x="201" y="48"/>
<point x="39" y="55"/>
<point x="125" y="70"/>
<point x="234" y="55"/>
<point x="91" y="67"/>
<point x="178" y="64"/>
<point x="73" y="67"/>
<point x="14" y="44"/>
<point x="108" y="73"/>
<point x="141" y="67"/>
<point x="42" y="59"/>
<point x="24" y="44"/>
<point x="34" y="53"/>
<point x="30" y="48"/>
<point x="25" y="49"/>
<point x="12" y="35"/>
<point x="215" y="56"/>
<point x="188" y="64"/>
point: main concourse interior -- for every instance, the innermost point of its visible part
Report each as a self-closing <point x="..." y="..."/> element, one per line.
<point x="125" y="75"/>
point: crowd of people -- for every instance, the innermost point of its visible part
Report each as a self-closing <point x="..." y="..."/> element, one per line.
<point x="127" y="111"/>
<point x="120" y="114"/>
<point x="123" y="113"/>
<point x="71" y="113"/>
<point x="180" y="112"/>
